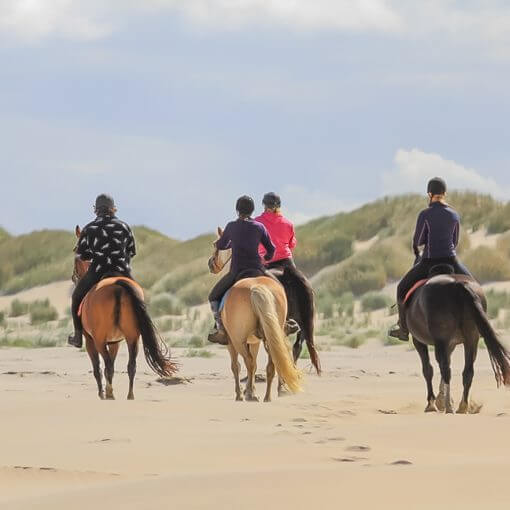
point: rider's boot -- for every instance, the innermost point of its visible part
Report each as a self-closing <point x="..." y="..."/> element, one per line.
<point x="291" y="327"/>
<point x="218" y="335"/>
<point x="400" y="331"/>
<point x="76" y="340"/>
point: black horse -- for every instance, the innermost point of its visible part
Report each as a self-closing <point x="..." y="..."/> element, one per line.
<point x="301" y="304"/>
<point x="450" y="310"/>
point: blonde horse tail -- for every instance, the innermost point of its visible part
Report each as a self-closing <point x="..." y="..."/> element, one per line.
<point x="264" y="306"/>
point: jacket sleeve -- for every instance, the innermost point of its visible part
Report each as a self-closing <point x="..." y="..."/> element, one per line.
<point x="131" y="244"/>
<point x="83" y="249"/>
<point x="268" y="245"/>
<point x="420" y="233"/>
<point x="293" y="240"/>
<point x="456" y="233"/>
<point x="223" y="243"/>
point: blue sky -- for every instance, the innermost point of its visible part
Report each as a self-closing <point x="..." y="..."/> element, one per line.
<point x="176" y="107"/>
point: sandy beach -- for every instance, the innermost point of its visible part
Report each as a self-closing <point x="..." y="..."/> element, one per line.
<point x="356" y="438"/>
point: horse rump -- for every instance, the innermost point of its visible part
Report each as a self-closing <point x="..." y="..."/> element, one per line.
<point x="498" y="354"/>
<point x="155" y="350"/>
<point x="301" y="308"/>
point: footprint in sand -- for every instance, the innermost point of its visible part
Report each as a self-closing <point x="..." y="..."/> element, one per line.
<point x="358" y="448"/>
<point x="349" y="459"/>
<point x="401" y="463"/>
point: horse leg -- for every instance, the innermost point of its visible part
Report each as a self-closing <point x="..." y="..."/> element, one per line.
<point x="443" y="359"/>
<point x="270" y="371"/>
<point x="94" y="358"/>
<point x="298" y="346"/>
<point x="250" y="360"/>
<point x="131" y="368"/>
<point x="236" y="367"/>
<point x="108" y="372"/>
<point x="470" y="348"/>
<point x="428" y="373"/>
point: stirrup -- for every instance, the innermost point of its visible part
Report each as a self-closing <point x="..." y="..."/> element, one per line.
<point x="218" y="336"/>
<point x="398" y="332"/>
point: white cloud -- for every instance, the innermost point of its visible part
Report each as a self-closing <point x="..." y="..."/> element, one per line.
<point x="33" y="20"/>
<point x="301" y="204"/>
<point x="413" y="169"/>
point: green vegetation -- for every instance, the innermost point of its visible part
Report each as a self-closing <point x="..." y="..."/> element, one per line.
<point x="42" y="311"/>
<point x="165" y="304"/>
<point x="488" y="264"/>
<point x="199" y="353"/>
<point x="375" y="301"/>
<point x="18" y="308"/>
<point x="2" y="319"/>
<point x="497" y="301"/>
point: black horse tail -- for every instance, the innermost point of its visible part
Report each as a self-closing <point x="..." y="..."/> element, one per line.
<point x="499" y="356"/>
<point x="306" y="305"/>
<point x="156" y="351"/>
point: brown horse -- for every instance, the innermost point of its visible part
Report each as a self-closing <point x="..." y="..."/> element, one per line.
<point x="255" y="310"/>
<point x="112" y="311"/>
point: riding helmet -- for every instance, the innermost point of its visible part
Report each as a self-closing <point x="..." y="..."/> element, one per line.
<point x="104" y="201"/>
<point x="436" y="186"/>
<point x="271" y="200"/>
<point x="245" y="205"/>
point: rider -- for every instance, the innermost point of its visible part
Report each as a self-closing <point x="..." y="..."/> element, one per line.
<point x="243" y="236"/>
<point x="281" y="231"/>
<point x="109" y="245"/>
<point x="437" y="229"/>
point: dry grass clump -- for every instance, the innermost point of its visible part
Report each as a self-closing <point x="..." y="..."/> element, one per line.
<point x="487" y="264"/>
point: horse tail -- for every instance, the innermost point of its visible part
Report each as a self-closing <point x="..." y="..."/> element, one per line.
<point x="117" y="293"/>
<point x="499" y="356"/>
<point x="306" y="304"/>
<point x="155" y="350"/>
<point x="264" y="306"/>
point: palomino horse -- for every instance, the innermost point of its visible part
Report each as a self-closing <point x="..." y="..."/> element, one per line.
<point x="255" y="309"/>
<point x="300" y="302"/>
<point x="450" y="310"/>
<point x="114" y="310"/>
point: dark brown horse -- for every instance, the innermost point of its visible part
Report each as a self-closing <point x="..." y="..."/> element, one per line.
<point x="112" y="311"/>
<point x="450" y="310"/>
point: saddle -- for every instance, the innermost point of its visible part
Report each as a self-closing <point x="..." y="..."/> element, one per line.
<point x="106" y="282"/>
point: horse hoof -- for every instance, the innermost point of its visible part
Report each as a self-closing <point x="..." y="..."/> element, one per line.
<point x="110" y="397"/>
<point x="101" y="396"/>
<point x="130" y="397"/>
<point x="431" y="408"/>
<point x="267" y="399"/>
<point x="449" y="410"/>
<point x="474" y="408"/>
<point x="440" y="405"/>
<point x="252" y="398"/>
<point x="239" y="398"/>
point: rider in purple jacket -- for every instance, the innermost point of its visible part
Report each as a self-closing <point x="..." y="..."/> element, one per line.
<point x="437" y="230"/>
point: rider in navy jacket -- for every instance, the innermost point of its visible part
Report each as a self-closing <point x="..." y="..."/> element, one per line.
<point x="437" y="230"/>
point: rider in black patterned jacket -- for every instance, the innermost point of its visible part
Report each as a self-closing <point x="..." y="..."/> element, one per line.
<point x="109" y="245"/>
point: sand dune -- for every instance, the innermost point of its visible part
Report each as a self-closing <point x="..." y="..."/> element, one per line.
<point x="356" y="438"/>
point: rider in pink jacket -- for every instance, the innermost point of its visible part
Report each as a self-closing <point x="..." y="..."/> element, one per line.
<point x="281" y="231"/>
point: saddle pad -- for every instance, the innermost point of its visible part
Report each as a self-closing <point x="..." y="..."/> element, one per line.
<point x="112" y="280"/>
<point x="223" y="300"/>
<point x="414" y="288"/>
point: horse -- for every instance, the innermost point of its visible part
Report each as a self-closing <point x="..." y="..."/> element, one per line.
<point x="300" y="301"/>
<point x="113" y="310"/>
<point x="255" y="310"/>
<point x="446" y="311"/>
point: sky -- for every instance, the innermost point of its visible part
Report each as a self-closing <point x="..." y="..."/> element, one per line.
<point x="177" y="107"/>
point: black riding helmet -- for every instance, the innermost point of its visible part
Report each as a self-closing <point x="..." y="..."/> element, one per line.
<point x="245" y="205"/>
<point x="271" y="200"/>
<point x="436" y="186"/>
<point x="104" y="203"/>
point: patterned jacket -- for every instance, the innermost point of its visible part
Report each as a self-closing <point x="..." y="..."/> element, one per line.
<point x="109" y="244"/>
